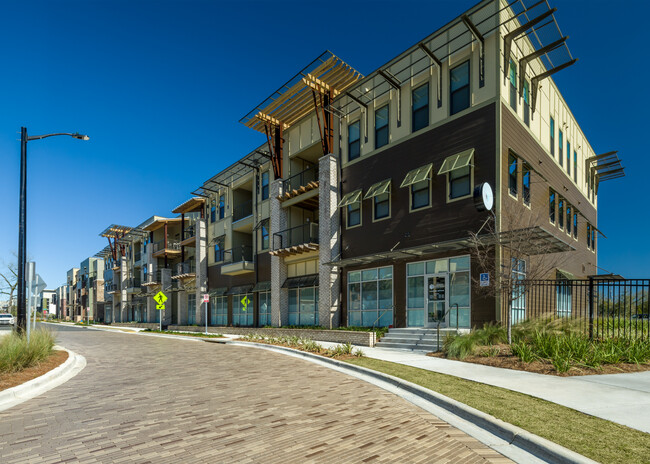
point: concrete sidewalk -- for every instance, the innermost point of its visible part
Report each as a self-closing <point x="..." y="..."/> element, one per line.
<point x="620" y="398"/>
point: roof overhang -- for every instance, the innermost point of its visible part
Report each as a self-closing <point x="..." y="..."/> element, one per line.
<point x="115" y="230"/>
<point x="192" y="205"/>
<point x="159" y="222"/>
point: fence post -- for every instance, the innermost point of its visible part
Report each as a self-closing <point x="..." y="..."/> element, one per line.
<point x="591" y="308"/>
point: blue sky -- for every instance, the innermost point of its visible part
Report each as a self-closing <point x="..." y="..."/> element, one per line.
<point x="158" y="83"/>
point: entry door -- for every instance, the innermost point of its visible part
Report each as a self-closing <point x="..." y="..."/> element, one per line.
<point x="436" y="305"/>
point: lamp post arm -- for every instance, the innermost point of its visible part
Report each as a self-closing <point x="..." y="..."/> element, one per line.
<point x="75" y="135"/>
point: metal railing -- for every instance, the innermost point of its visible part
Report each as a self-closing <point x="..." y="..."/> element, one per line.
<point x="137" y="256"/>
<point x="171" y="245"/>
<point x="599" y="307"/>
<point x="300" y="235"/>
<point x="238" y="254"/>
<point x="188" y="267"/>
<point x="111" y="288"/>
<point x="242" y="210"/>
<point x="133" y="282"/>
<point x="189" y="232"/>
<point x="302" y="179"/>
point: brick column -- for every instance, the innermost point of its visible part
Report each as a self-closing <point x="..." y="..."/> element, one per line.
<point x="279" y="295"/>
<point x="166" y="281"/>
<point x="329" y="281"/>
<point x="201" y="268"/>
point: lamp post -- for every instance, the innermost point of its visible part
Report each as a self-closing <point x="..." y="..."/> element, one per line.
<point x="22" y="220"/>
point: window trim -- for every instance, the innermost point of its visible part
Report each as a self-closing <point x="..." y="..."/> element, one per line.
<point x="428" y="104"/>
<point x="347" y="214"/>
<point x="421" y="208"/>
<point x="471" y="186"/>
<point x="390" y="207"/>
<point x="512" y="158"/>
<point x="469" y="86"/>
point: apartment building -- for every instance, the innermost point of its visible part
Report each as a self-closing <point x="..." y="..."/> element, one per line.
<point x="366" y="203"/>
<point x="72" y="295"/>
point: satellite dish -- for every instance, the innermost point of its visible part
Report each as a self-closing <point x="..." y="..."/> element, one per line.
<point x="483" y="197"/>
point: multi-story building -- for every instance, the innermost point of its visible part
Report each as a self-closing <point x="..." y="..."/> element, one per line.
<point x="73" y="295"/>
<point x="372" y="199"/>
<point x="90" y="282"/>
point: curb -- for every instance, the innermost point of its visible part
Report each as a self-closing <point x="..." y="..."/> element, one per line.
<point x="35" y="387"/>
<point x="540" y="447"/>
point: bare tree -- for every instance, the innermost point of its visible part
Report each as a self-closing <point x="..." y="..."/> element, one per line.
<point x="9" y="283"/>
<point x="514" y="247"/>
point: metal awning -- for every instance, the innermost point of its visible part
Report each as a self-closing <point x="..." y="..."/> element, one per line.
<point x="294" y="100"/>
<point x="532" y="241"/>
<point x="220" y="291"/>
<point x="457" y="161"/>
<point x="262" y="286"/>
<point x="417" y="175"/>
<point x="350" y="198"/>
<point x="240" y="289"/>
<point x="191" y="205"/>
<point x="310" y="280"/>
<point x="566" y="275"/>
<point x="378" y="189"/>
<point x="115" y="230"/>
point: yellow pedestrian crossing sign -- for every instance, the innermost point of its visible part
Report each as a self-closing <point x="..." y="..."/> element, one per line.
<point x="245" y="301"/>
<point x="160" y="298"/>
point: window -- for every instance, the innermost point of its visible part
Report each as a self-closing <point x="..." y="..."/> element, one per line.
<point x="459" y="79"/>
<point x="222" y="206"/>
<point x="381" y="206"/>
<point x="219" y="310"/>
<point x="568" y="158"/>
<point x="420" y="114"/>
<point x="213" y="212"/>
<point x="525" y="181"/>
<point x="552" y="136"/>
<point x="593" y="238"/>
<point x="354" y="141"/>
<point x="460" y="182"/>
<point x="575" y="166"/>
<point x="575" y="224"/>
<point x="526" y="103"/>
<point x="563" y="293"/>
<point x="219" y="248"/>
<point x="354" y="214"/>
<point x="513" y="85"/>
<point x="561" y="148"/>
<point x="568" y="219"/>
<point x="265" y="185"/>
<point x="381" y="126"/>
<point x="560" y="213"/>
<point x="370" y="297"/>
<point x="551" y="206"/>
<point x="420" y="194"/>
<point x="512" y="175"/>
<point x="518" y="306"/>
<point x="242" y="310"/>
<point x="191" y="309"/>
<point x="588" y="235"/>
<point x="303" y="306"/>
<point x="265" y="308"/>
<point x="265" y="234"/>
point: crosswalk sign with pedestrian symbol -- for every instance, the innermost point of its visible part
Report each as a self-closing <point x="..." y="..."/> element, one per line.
<point x="160" y="299"/>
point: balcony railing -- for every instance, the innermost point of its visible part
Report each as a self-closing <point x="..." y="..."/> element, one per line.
<point x="189" y="232"/>
<point x="238" y="254"/>
<point x="306" y="233"/>
<point x="137" y="256"/>
<point x="133" y="282"/>
<point x="242" y="210"/>
<point x="171" y="245"/>
<point x="111" y="288"/>
<point x="302" y="179"/>
<point x="188" y="267"/>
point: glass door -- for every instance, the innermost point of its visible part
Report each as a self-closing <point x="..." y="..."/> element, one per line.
<point x="436" y="296"/>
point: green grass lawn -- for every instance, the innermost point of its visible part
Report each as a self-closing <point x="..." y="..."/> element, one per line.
<point x="595" y="438"/>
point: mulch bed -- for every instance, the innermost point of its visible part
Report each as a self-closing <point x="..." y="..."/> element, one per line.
<point x="505" y="359"/>
<point x="17" y="378"/>
<point x="341" y="357"/>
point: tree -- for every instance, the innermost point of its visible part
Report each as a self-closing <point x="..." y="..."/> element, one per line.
<point x="9" y="284"/>
<point x="513" y="247"/>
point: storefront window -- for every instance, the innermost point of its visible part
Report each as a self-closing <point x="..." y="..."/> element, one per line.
<point x="191" y="309"/>
<point x="370" y="297"/>
<point x="265" y="308"/>
<point x="219" y="310"/>
<point x="303" y="306"/>
<point x="242" y="310"/>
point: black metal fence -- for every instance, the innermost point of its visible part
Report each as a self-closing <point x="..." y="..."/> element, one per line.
<point x="302" y="179"/>
<point x="602" y="308"/>
<point x="238" y="254"/>
<point x="300" y="235"/>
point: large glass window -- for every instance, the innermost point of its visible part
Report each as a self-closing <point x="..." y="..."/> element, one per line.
<point x="265" y="185"/>
<point x="569" y="219"/>
<point x="525" y="183"/>
<point x="568" y="158"/>
<point x="370" y="297"/>
<point x="303" y="306"/>
<point x="561" y="147"/>
<point x="219" y="248"/>
<point x="191" y="309"/>
<point x="213" y="211"/>
<point x="560" y="213"/>
<point x="512" y="175"/>
<point x="264" y="299"/>
<point x="518" y="305"/>
<point x="420" y="194"/>
<point x="381" y="126"/>
<point x="222" y="206"/>
<point x="552" y="131"/>
<point x="575" y="224"/>
<point x="459" y="78"/>
<point x="420" y="113"/>
<point x="354" y="140"/>
<point x="381" y="206"/>
<point x="219" y="310"/>
<point x="265" y="234"/>
<point x="242" y="310"/>
<point x="354" y="214"/>
<point x="551" y="206"/>
<point x="513" y="85"/>
<point x="460" y="181"/>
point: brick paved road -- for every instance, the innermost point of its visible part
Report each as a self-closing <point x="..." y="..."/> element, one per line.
<point x="145" y="399"/>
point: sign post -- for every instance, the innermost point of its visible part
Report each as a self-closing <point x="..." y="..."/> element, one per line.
<point x="206" y="300"/>
<point x="160" y="299"/>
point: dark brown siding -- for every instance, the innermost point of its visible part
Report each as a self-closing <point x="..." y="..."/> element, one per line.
<point x="517" y="139"/>
<point x="443" y="221"/>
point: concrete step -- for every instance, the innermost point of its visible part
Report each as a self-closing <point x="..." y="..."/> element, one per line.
<point x="402" y="346"/>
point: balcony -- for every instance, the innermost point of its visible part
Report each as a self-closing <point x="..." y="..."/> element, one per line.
<point x="112" y="288"/>
<point x="133" y="285"/>
<point x="238" y="260"/>
<point x="301" y="188"/>
<point x="185" y="270"/>
<point x="297" y="240"/>
<point x="189" y="236"/>
<point x="171" y="248"/>
<point x="242" y="217"/>
<point x="137" y="256"/>
<point x="153" y="278"/>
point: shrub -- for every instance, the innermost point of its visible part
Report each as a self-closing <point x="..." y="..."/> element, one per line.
<point x="16" y="354"/>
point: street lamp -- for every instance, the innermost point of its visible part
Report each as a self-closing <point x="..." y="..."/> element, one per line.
<point x="22" y="219"/>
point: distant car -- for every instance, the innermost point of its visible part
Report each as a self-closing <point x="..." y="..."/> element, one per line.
<point x="7" y="319"/>
<point x="641" y="316"/>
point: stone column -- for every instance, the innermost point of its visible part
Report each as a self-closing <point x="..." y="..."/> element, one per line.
<point x="150" y="263"/>
<point x="279" y="295"/>
<point x="182" y="307"/>
<point x="123" y="295"/>
<point x="201" y="268"/>
<point x="329" y="281"/>
<point x="166" y="287"/>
